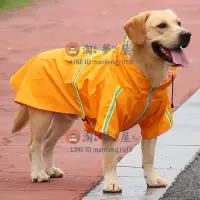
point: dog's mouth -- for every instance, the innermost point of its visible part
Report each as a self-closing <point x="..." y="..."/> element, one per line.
<point x="174" y="57"/>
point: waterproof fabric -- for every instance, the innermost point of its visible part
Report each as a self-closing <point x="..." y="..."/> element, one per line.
<point x="104" y="87"/>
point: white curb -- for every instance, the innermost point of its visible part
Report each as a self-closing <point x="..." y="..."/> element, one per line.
<point x="175" y="150"/>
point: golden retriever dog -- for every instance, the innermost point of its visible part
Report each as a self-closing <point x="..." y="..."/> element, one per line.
<point x="111" y="98"/>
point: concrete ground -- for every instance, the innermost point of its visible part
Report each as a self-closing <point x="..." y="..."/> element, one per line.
<point x="53" y="24"/>
<point x="175" y="151"/>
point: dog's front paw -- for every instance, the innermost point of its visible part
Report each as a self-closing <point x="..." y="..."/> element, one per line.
<point x="112" y="186"/>
<point x="55" y="172"/>
<point x="154" y="180"/>
<point x="40" y="176"/>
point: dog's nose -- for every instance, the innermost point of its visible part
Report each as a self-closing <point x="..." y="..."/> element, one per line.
<point x="185" y="36"/>
<point x="185" y="39"/>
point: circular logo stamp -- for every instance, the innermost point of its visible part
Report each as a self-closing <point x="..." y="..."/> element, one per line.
<point x="72" y="49"/>
<point x="73" y="136"/>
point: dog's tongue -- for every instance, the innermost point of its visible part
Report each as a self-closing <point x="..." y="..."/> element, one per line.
<point x="180" y="58"/>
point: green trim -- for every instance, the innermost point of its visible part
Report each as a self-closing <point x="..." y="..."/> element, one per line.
<point x="75" y="88"/>
<point x="167" y="114"/>
<point x="125" y="39"/>
<point x="111" y="110"/>
<point x="125" y="45"/>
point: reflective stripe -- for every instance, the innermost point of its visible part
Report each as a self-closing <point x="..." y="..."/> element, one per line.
<point x="125" y="45"/>
<point x="125" y="39"/>
<point x="167" y="114"/>
<point x="74" y="84"/>
<point x="111" y="110"/>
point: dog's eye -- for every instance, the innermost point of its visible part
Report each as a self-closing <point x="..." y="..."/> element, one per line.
<point x="179" y="23"/>
<point x="162" y="25"/>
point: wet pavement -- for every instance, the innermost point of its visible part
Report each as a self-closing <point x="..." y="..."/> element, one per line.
<point x="175" y="150"/>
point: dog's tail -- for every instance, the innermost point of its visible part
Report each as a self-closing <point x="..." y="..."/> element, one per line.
<point x="21" y="119"/>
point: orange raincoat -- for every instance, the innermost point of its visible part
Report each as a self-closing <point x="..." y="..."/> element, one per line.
<point x="106" y="88"/>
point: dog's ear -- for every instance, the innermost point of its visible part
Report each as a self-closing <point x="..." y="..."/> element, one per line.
<point x="135" y="28"/>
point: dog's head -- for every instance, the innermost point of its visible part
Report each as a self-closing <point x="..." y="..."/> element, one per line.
<point x="162" y="33"/>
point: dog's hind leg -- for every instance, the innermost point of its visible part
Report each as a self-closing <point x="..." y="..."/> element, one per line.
<point x="60" y="124"/>
<point x="40" y="122"/>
